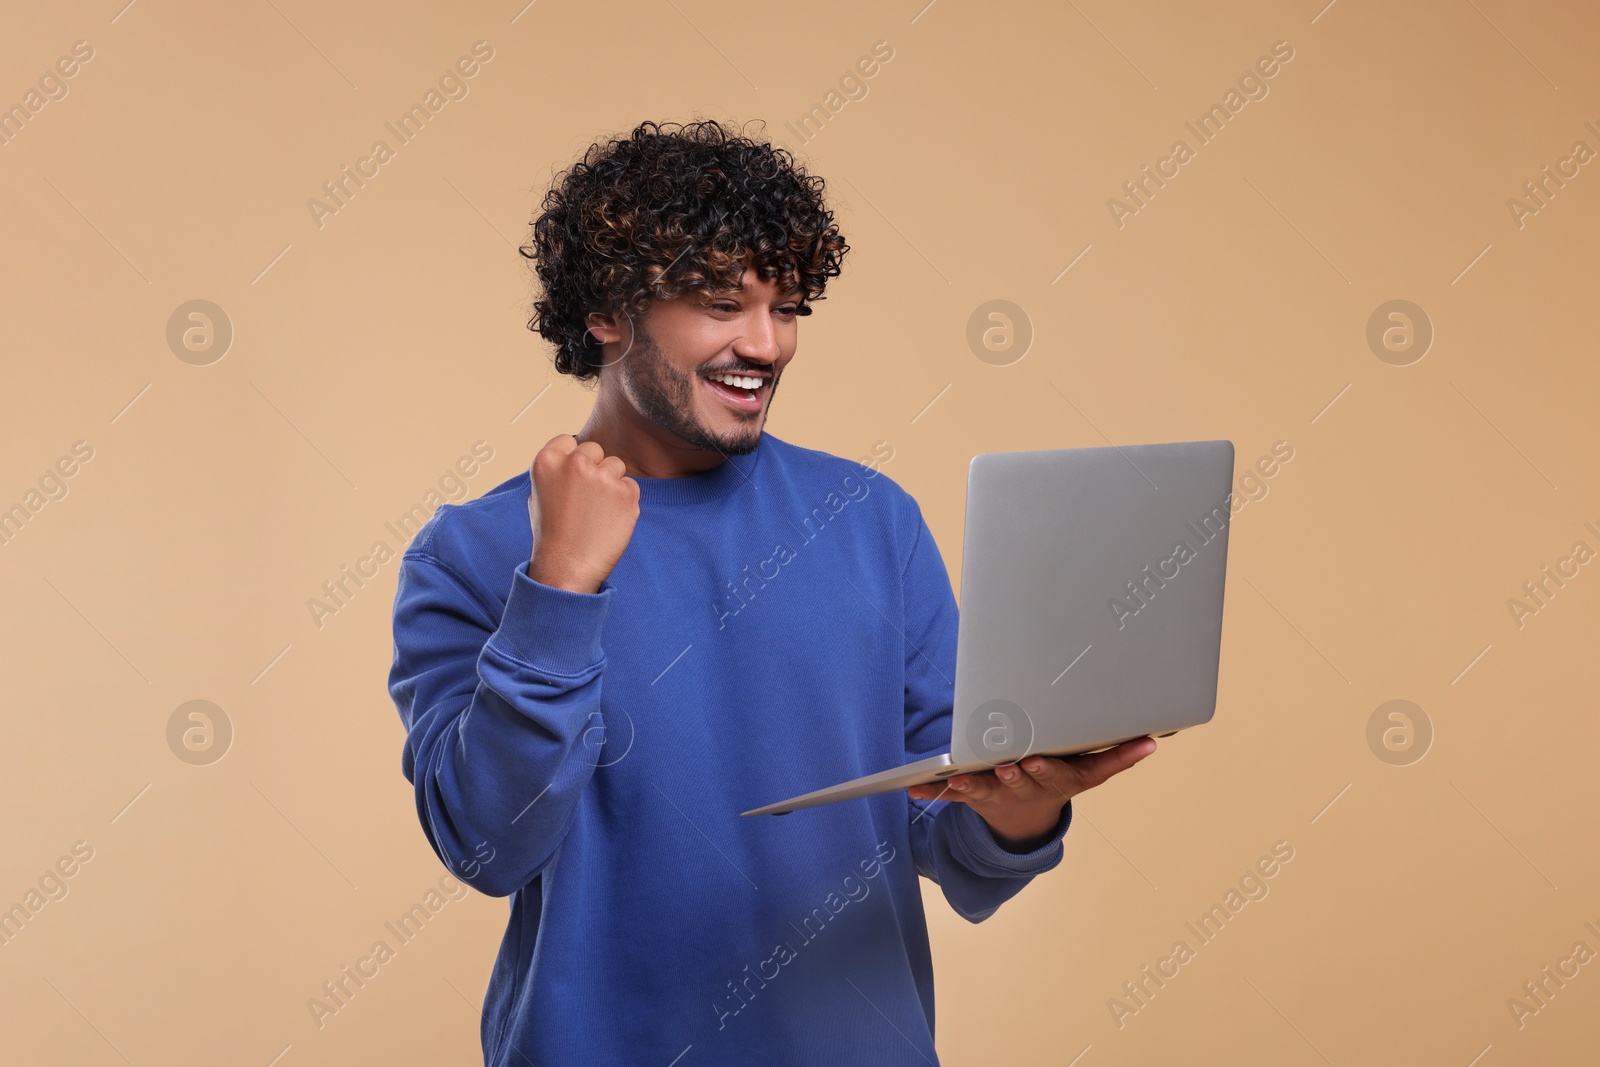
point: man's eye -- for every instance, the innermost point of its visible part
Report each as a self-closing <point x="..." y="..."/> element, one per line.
<point x="725" y="305"/>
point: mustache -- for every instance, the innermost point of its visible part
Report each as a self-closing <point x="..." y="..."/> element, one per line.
<point x="757" y="371"/>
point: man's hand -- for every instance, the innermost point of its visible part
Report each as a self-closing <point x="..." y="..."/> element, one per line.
<point x="583" y="508"/>
<point x="1023" y="806"/>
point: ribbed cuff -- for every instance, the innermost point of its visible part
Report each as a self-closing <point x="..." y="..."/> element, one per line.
<point x="984" y="854"/>
<point x="554" y="631"/>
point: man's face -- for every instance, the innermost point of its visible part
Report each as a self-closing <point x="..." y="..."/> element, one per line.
<point x="680" y="348"/>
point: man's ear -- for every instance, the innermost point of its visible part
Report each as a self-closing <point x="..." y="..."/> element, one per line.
<point x="603" y="327"/>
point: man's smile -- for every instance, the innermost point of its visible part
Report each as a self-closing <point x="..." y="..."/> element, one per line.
<point x="744" y="393"/>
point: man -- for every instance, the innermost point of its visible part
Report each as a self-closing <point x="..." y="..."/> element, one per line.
<point x="673" y="617"/>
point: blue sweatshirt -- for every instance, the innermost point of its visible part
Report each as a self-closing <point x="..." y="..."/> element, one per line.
<point x="778" y="624"/>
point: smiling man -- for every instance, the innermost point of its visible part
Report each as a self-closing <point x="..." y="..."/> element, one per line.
<point x="586" y="717"/>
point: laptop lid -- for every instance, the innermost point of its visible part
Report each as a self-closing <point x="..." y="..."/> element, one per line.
<point x="1091" y="596"/>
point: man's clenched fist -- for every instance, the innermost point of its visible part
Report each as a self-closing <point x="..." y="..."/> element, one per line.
<point x="583" y="508"/>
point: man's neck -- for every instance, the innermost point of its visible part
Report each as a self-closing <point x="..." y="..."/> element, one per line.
<point x="646" y="450"/>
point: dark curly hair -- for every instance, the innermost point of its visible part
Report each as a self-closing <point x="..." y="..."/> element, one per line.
<point x="666" y="212"/>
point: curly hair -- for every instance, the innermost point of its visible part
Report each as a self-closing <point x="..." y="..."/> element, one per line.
<point x="666" y="212"/>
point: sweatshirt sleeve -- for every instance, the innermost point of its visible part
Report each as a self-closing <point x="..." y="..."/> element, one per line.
<point x="495" y="711"/>
<point x="951" y="843"/>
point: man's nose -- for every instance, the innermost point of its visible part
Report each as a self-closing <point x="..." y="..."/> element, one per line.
<point x="758" y="342"/>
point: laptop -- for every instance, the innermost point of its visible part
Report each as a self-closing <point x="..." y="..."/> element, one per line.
<point x="1091" y="607"/>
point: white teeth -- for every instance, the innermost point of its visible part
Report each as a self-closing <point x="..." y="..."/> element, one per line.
<point x="737" y="381"/>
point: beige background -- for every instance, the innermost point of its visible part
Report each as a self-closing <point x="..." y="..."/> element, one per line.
<point x="370" y="353"/>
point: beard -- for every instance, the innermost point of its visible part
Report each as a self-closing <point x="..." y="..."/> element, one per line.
<point x="666" y="396"/>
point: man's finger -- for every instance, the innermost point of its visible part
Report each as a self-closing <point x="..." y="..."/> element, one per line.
<point x="1013" y="779"/>
<point x="1074" y="774"/>
<point x="589" y="450"/>
<point x="562" y="442"/>
<point x="977" y="788"/>
<point x="1098" y="767"/>
<point x="1053" y="774"/>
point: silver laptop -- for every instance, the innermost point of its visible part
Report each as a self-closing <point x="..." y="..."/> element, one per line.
<point x="1091" y="607"/>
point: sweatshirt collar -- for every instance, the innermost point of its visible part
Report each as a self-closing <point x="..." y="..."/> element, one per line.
<point x="722" y="479"/>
